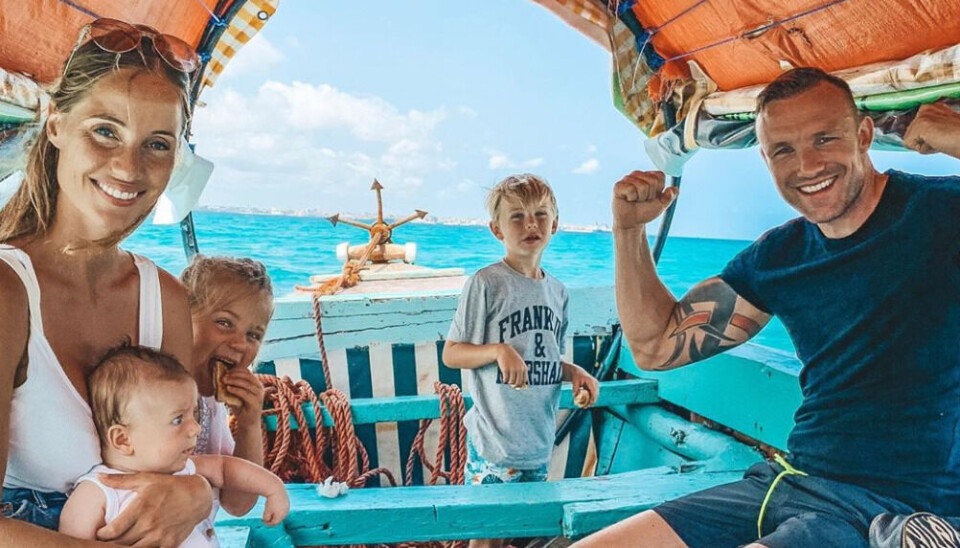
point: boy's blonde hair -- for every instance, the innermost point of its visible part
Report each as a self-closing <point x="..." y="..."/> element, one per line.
<point x="211" y="282"/>
<point x="526" y="188"/>
<point x="119" y="373"/>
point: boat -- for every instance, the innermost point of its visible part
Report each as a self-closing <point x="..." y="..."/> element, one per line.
<point x="687" y="74"/>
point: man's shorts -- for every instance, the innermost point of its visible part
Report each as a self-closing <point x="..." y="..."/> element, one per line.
<point x="480" y="471"/>
<point x="802" y="511"/>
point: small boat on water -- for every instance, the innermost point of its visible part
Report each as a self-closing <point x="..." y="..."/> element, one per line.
<point x="687" y="76"/>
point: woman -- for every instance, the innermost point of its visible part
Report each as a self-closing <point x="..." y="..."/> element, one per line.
<point x="99" y="163"/>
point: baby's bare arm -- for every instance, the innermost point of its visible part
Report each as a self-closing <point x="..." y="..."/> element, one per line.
<point x="236" y="474"/>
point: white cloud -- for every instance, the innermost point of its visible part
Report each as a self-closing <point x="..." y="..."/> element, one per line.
<point x="256" y="56"/>
<point x="587" y="167"/>
<point x="532" y="162"/>
<point x="285" y="133"/>
<point x="591" y="149"/>
<point x="467" y="112"/>
<point x="499" y="160"/>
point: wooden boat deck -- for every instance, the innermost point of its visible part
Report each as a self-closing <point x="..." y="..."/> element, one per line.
<point x="377" y="279"/>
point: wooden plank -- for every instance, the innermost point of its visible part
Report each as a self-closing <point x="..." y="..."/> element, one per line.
<point x="366" y="516"/>
<point x="582" y="518"/>
<point x="752" y="389"/>
<point x="406" y="408"/>
<point x="15" y="113"/>
<point x="357" y="320"/>
<point x="258" y="533"/>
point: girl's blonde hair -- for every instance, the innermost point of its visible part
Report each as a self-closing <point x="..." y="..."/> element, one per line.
<point x="526" y="188"/>
<point x="212" y="282"/>
<point x="32" y="208"/>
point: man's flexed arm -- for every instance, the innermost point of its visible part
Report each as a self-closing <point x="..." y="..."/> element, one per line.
<point x="662" y="332"/>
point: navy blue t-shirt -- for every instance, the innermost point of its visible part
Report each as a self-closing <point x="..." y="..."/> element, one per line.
<point x="875" y="319"/>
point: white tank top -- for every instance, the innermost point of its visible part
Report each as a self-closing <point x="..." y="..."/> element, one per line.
<point x="117" y="500"/>
<point x="52" y="437"/>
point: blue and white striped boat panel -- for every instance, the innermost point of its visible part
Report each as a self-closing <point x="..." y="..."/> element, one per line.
<point x="387" y="370"/>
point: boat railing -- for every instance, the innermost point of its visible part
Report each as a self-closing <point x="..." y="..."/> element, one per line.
<point x="571" y="507"/>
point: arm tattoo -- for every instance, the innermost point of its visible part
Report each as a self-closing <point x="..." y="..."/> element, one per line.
<point x="702" y="331"/>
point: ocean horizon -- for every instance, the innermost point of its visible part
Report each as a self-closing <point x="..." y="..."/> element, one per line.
<point x="293" y="248"/>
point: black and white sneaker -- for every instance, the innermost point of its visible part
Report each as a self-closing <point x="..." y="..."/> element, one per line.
<point x="920" y="530"/>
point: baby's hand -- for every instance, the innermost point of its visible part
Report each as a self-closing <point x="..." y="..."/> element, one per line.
<point x="277" y="507"/>
<point x="512" y="367"/>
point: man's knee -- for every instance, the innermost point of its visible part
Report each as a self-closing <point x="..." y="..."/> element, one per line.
<point x="644" y="529"/>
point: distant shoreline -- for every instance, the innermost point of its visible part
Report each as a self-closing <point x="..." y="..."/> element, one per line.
<point x="428" y="220"/>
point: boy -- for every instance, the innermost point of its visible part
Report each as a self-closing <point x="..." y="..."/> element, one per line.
<point x="144" y="403"/>
<point x="508" y="336"/>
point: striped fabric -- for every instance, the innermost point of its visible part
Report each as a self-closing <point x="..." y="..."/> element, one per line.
<point x="589" y="10"/>
<point x="631" y="77"/>
<point x="248" y="22"/>
<point x="387" y="370"/>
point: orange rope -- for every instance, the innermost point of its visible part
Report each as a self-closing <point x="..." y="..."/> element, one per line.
<point x="350" y="275"/>
<point x="452" y="436"/>
<point x="317" y="314"/>
<point x="298" y="455"/>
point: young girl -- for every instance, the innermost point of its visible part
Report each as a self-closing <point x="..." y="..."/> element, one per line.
<point x="143" y="403"/>
<point x="231" y="301"/>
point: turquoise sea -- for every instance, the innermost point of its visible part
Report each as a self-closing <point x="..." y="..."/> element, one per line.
<point x="294" y="248"/>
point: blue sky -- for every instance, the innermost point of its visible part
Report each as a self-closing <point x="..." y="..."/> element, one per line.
<point x="441" y="103"/>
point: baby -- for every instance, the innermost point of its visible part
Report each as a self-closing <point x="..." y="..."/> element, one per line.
<point x="144" y="405"/>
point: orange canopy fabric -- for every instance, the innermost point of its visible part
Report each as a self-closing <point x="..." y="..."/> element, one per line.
<point x="36" y="36"/>
<point x="746" y="42"/>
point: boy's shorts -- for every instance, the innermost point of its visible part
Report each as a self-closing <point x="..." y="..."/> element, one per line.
<point x="480" y="471"/>
<point x="802" y="511"/>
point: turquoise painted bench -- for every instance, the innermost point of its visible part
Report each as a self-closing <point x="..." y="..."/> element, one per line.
<point x="572" y="507"/>
<point x="569" y="507"/>
<point x="405" y="370"/>
<point x="233" y="537"/>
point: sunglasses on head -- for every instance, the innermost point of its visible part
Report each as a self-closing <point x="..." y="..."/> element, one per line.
<point x="118" y="37"/>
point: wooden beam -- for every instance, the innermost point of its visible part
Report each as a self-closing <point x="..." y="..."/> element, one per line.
<point x="582" y="518"/>
<point x="359" y="320"/>
<point x="408" y="408"/>
<point x="398" y="514"/>
<point x="751" y="388"/>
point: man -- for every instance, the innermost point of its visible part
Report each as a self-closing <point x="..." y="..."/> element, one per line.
<point x="867" y="282"/>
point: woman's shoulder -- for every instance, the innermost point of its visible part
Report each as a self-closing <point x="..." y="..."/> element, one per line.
<point x="14" y="324"/>
<point x="13" y="294"/>
<point x="177" y="327"/>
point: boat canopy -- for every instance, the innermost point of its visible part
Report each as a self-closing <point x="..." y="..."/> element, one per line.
<point x="36" y="37"/>
<point x="706" y="59"/>
<point x="710" y="58"/>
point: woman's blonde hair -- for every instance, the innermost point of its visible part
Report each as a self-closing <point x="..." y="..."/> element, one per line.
<point x="32" y="208"/>
<point x="211" y="282"/>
